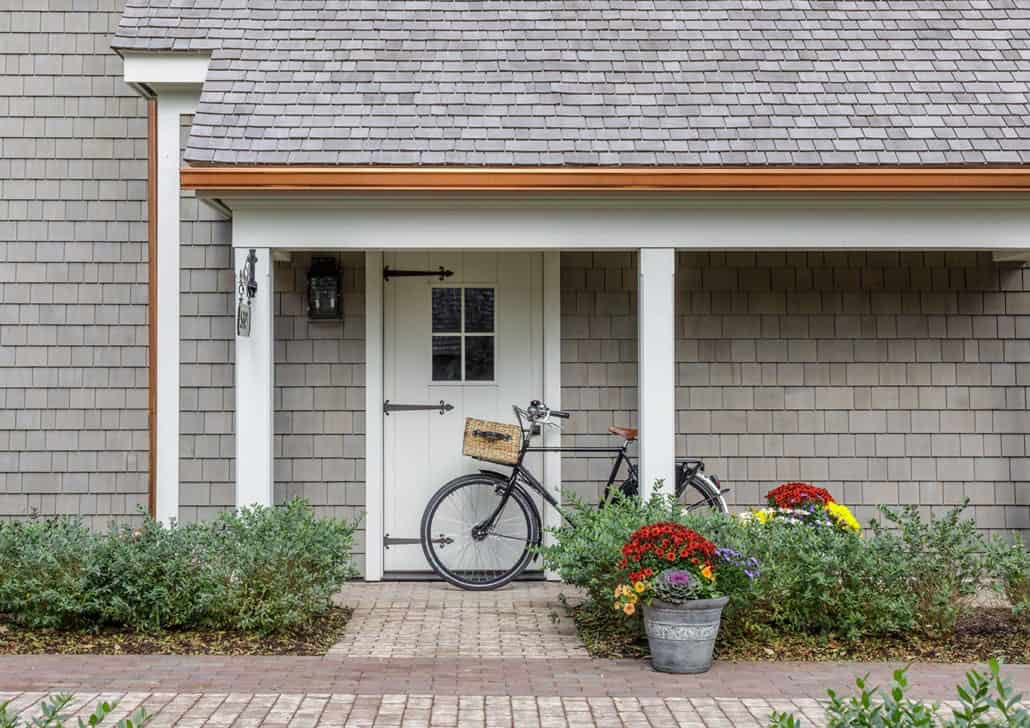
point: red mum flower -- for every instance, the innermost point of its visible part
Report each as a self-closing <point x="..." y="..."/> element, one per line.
<point x="796" y="495"/>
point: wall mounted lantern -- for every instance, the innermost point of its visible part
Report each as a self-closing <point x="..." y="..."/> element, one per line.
<point x="325" y="297"/>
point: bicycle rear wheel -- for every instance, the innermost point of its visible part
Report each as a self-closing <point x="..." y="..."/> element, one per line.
<point x="465" y="552"/>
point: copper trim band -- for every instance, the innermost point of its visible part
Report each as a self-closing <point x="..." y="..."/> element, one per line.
<point x="870" y="179"/>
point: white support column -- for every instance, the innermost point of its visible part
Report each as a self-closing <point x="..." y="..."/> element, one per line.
<point x="170" y="108"/>
<point x="552" y="386"/>
<point x="373" y="415"/>
<point x="255" y="362"/>
<point x="656" y="296"/>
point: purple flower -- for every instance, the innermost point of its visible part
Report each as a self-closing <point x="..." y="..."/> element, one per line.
<point x="677" y="577"/>
<point x="728" y="555"/>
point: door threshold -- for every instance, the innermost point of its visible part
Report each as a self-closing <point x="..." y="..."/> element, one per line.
<point x="432" y="576"/>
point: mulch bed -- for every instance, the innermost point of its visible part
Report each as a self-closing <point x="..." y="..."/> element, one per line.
<point x="980" y="634"/>
<point x="315" y="639"/>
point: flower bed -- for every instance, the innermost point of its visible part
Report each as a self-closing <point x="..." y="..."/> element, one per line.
<point x="821" y="586"/>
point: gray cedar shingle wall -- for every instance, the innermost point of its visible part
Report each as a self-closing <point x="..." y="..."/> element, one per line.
<point x="206" y="319"/>
<point x="889" y="378"/>
<point x="73" y="293"/>
<point x="599" y="355"/>
<point x="886" y="377"/>
<point x="320" y="394"/>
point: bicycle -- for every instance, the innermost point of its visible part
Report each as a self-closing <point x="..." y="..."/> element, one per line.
<point x="479" y="531"/>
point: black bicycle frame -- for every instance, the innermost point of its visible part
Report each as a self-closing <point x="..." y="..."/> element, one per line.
<point x="520" y="474"/>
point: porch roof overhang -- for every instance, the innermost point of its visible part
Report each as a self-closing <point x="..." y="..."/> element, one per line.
<point x="237" y="179"/>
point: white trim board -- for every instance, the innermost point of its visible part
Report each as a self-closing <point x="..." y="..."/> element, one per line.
<point x="171" y="107"/>
<point x="919" y="222"/>
<point x="165" y="69"/>
<point x="374" y="443"/>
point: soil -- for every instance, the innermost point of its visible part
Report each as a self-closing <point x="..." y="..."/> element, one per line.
<point x="314" y="639"/>
<point x="980" y="634"/>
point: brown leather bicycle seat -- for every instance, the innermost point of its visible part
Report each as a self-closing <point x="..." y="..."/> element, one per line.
<point x="626" y="433"/>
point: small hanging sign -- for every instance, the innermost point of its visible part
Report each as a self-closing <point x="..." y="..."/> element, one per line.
<point x="243" y="310"/>
<point x="247" y="290"/>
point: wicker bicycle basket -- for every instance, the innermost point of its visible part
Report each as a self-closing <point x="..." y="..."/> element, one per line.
<point x="494" y="442"/>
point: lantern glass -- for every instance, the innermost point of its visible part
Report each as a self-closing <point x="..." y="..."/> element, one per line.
<point x="324" y="294"/>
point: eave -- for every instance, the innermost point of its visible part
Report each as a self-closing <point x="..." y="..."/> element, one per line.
<point x="829" y="179"/>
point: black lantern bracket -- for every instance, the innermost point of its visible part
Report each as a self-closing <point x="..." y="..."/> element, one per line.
<point x="442" y="273"/>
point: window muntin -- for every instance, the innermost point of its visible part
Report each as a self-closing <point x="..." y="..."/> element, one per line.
<point x="464" y="334"/>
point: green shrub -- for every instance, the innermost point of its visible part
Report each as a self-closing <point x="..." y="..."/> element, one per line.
<point x="1009" y="563"/>
<point x="586" y="555"/>
<point x="50" y="715"/>
<point x="816" y="581"/>
<point x="44" y="571"/>
<point x="941" y="558"/>
<point x="262" y="569"/>
<point x="153" y="578"/>
<point x="277" y="568"/>
<point x="987" y="701"/>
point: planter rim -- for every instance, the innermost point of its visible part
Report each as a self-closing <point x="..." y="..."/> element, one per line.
<point x="692" y="604"/>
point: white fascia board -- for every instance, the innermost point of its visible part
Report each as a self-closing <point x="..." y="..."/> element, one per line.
<point x="165" y="70"/>
<point x="728" y="222"/>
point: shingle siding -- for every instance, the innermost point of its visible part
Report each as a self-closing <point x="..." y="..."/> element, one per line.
<point x="73" y="280"/>
<point x="599" y="361"/>
<point x="320" y="394"/>
<point x="207" y="313"/>
<point x="886" y="377"/>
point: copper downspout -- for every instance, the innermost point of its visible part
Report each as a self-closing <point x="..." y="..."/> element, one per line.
<point x="152" y="298"/>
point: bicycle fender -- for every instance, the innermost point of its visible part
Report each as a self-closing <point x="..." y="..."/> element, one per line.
<point x="495" y="474"/>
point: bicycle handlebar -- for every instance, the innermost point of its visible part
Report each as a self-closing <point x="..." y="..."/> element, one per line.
<point x="537" y="410"/>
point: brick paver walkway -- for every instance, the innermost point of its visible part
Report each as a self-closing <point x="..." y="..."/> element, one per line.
<point x="427" y="680"/>
<point x="433" y="619"/>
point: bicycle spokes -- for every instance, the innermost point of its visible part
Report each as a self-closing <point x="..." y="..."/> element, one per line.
<point x="488" y="534"/>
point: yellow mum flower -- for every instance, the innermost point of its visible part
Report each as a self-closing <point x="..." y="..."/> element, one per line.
<point x="843" y="517"/>
<point x="618" y="590"/>
<point x="706" y="572"/>
<point x="618" y="607"/>
<point x="639" y="587"/>
<point x="764" y="515"/>
<point x="629" y="609"/>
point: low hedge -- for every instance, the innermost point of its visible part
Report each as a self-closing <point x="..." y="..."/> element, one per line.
<point x="259" y="569"/>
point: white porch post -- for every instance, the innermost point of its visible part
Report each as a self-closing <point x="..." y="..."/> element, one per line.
<point x="656" y="297"/>
<point x="373" y="415"/>
<point x="254" y="386"/>
<point x="552" y="386"/>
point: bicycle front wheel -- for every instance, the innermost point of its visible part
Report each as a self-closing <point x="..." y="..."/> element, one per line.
<point x="472" y="539"/>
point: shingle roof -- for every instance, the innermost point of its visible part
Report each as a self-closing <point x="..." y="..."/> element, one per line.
<point x="601" y="82"/>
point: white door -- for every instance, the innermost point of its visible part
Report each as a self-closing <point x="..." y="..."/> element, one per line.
<point x="474" y="341"/>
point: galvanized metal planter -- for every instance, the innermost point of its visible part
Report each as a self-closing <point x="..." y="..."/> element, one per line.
<point x="682" y="636"/>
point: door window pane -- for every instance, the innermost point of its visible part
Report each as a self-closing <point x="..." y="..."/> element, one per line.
<point x="479" y="358"/>
<point x="446" y="358"/>
<point x="446" y="310"/>
<point x="479" y="310"/>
